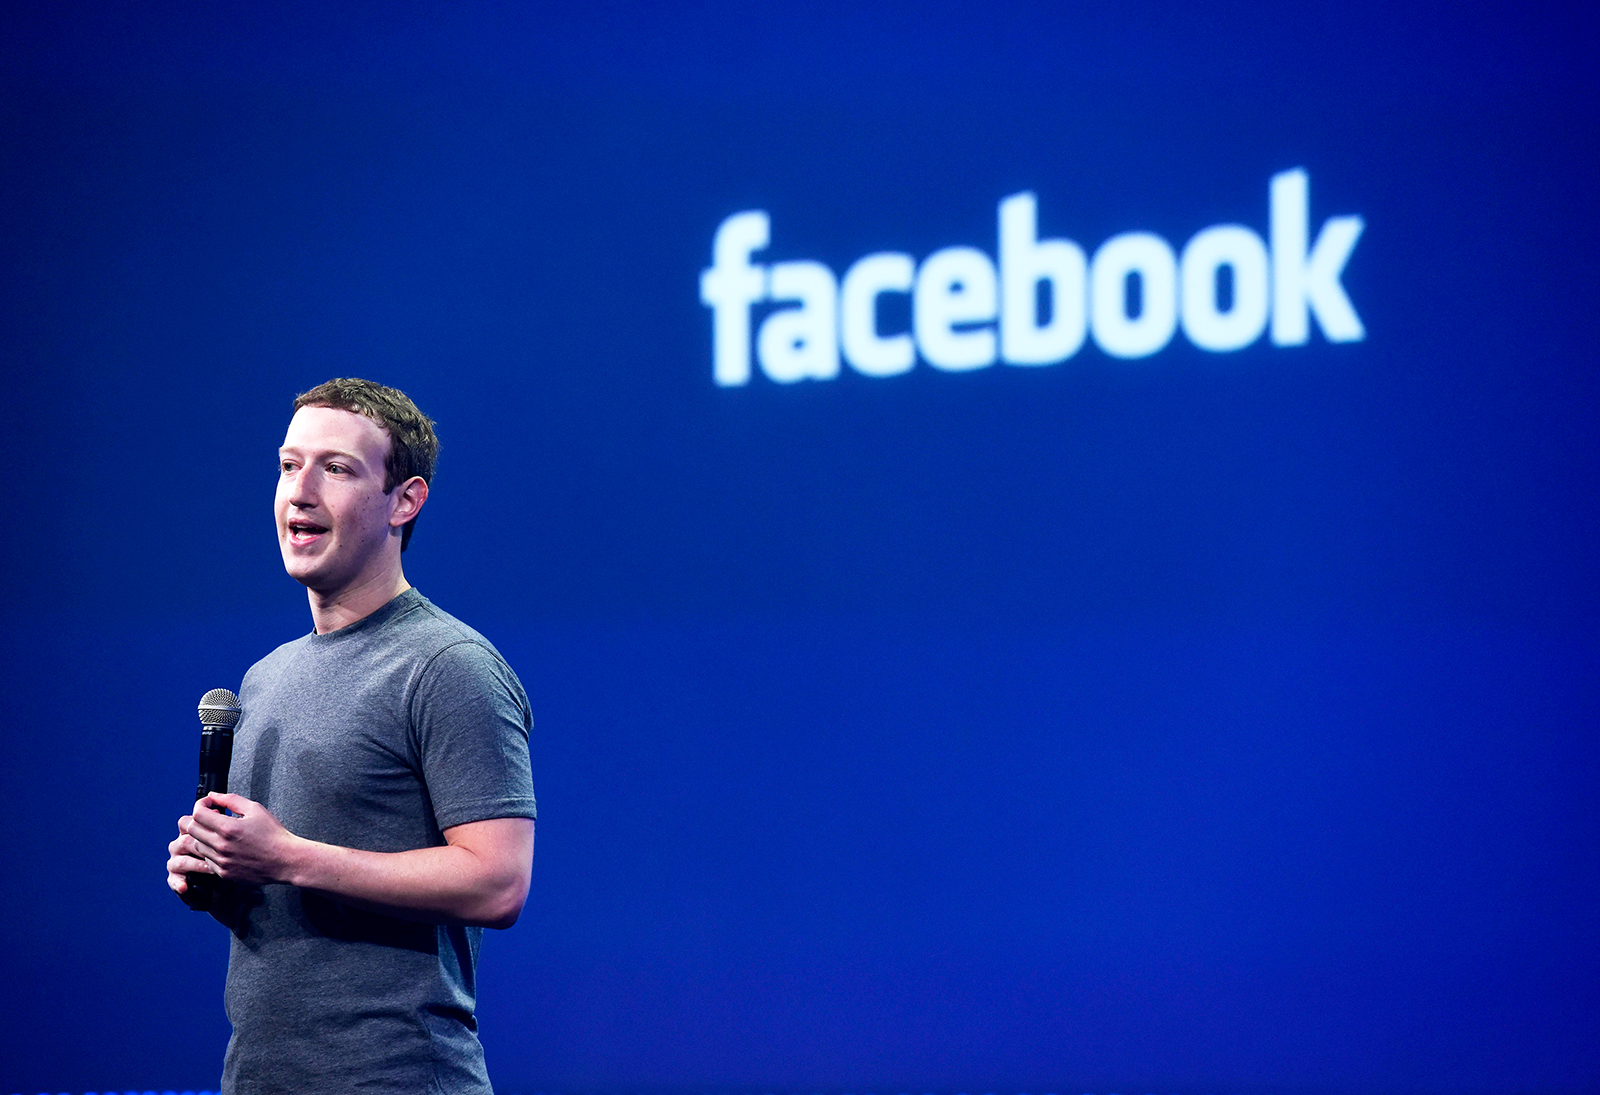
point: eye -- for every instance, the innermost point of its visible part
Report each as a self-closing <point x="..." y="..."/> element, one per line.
<point x="337" y="469"/>
<point x="286" y="467"/>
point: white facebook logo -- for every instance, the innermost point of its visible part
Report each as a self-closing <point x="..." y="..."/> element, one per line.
<point x="967" y="314"/>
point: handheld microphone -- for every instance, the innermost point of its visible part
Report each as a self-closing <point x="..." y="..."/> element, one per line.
<point x="219" y="714"/>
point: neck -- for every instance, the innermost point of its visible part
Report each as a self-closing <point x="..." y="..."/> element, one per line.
<point x="335" y="609"/>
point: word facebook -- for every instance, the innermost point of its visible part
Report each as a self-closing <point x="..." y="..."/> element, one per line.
<point x="1223" y="290"/>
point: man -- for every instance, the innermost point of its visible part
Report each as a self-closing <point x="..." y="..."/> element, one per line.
<point x="383" y="809"/>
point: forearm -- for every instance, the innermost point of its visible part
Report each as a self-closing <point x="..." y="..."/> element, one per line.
<point x="447" y="884"/>
<point x="479" y="876"/>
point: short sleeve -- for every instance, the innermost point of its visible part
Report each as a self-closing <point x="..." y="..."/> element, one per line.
<point x="470" y="718"/>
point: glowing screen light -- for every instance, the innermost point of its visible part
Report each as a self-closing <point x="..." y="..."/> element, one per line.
<point x="967" y="312"/>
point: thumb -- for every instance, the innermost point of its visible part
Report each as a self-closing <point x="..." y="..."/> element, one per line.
<point x="238" y="804"/>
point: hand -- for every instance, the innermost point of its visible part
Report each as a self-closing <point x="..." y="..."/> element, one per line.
<point x="251" y="846"/>
<point x="184" y="859"/>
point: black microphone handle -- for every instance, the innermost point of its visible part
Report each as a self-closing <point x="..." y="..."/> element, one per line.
<point x="216" y="754"/>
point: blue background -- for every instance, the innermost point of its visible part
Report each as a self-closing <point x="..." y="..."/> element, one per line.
<point x="1198" y="723"/>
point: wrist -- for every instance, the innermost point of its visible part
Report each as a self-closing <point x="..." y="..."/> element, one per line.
<point x="302" y="862"/>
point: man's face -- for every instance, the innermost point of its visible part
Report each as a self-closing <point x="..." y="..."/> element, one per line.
<point x="333" y="516"/>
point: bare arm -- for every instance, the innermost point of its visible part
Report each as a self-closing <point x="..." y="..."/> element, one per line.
<point x="480" y="876"/>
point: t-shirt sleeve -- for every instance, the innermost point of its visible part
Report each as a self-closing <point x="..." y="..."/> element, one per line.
<point x="471" y="720"/>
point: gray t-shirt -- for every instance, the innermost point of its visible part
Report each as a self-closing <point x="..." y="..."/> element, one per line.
<point x="377" y="736"/>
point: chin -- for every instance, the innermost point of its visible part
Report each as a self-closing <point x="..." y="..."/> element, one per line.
<point x="304" y="571"/>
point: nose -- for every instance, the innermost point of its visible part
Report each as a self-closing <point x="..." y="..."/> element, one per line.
<point x="301" y="487"/>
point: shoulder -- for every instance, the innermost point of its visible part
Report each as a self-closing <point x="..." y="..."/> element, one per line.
<point x="466" y="666"/>
<point x="409" y="631"/>
<point x="425" y="627"/>
<point x="453" y="657"/>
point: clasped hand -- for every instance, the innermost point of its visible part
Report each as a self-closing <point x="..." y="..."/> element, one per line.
<point x="249" y="846"/>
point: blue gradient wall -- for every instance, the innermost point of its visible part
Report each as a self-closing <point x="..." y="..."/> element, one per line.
<point x="1194" y="722"/>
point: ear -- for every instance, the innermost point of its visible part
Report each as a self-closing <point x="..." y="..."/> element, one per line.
<point x="408" y="500"/>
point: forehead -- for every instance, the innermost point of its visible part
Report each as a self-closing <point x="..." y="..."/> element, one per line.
<point x="328" y="429"/>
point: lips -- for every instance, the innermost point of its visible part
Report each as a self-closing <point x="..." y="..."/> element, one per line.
<point x="304" y="532"/>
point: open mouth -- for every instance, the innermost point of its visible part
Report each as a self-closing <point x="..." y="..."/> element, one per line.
<point x="301" y="532"/>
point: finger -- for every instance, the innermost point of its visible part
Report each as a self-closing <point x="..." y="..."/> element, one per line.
<point x="188" y="864"/>
<point x="221" y="800"/>
<point x="198" y="841"/>
<point x="206" y="823"/>
<point x="186" y="845"/>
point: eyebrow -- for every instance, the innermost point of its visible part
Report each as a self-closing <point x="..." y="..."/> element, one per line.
<point x="349" y="457"/>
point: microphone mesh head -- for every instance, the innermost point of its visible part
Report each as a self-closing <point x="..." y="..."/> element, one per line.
<point x="219" y="707"/>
